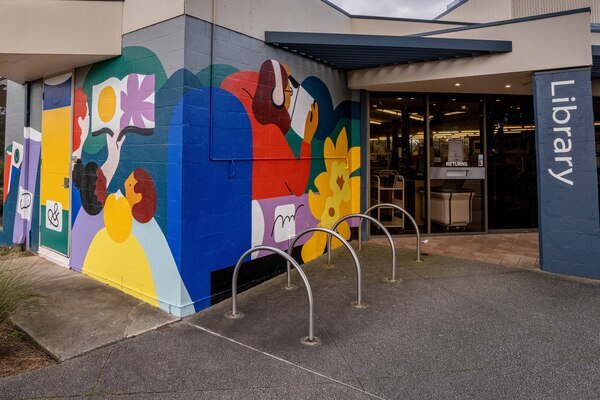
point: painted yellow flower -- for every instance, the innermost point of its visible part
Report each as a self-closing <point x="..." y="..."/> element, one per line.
<point x="338" y="194"/>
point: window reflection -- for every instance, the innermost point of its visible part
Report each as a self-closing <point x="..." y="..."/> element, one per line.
<point x="456" y="203"/>
<point x="455" y="124"/>
<point x="457" y="164"/>
<point x="397" y="145"/>
<point x="512" y="179"/>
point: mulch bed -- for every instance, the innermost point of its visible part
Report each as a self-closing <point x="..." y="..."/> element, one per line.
<point x="18" y="353"/>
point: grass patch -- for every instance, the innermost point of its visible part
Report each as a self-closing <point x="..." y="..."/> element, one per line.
<point x="19" y="289"/>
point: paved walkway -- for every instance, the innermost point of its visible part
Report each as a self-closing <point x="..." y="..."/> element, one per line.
<point x="451" y="329"/>
<point x="509" y="249"/>
<point x="77" y="313"/>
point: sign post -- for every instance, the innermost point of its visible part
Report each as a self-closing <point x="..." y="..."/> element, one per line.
<point x="569" y="222"/>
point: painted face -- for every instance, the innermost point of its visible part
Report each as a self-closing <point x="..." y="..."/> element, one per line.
<point x="304" y="113"/>
<point x="290" y="88"/>
<point x="132" y="197"/>
<point x="312" y="122"/>
<point x="273" y="96"/>
<point x="141" y="195"/>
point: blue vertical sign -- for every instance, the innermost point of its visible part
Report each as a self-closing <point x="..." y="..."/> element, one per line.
<point x="569" y="220"/>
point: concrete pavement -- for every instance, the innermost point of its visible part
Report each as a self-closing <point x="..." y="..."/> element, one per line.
<point x="451" y="329"/>
<point x="78" y="314"/>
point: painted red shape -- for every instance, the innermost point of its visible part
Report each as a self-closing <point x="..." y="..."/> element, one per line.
<point x="144" y="210"/>
<point x="79" y="111"/>
<point x="7" y="170"/>
<point x="276" y="171"/>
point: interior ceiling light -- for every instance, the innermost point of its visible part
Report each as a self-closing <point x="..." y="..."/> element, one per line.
<point x="455" y="113"/>
<point x="457" y="84"/>
<point x="392" y="112"/>
<point x="375" y="122"/>
<point x="507" y="86"/>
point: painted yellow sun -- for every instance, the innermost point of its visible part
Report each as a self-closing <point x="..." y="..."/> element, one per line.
<point x="107" y="104"/>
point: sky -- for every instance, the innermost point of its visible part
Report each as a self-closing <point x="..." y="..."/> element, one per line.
<point x="426" y="9"/>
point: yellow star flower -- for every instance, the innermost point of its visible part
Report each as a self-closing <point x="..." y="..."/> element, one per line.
<point x="338" y="194"/>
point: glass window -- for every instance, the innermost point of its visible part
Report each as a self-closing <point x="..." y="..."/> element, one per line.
<point x="457" y="202"/>
<point x="455" y="124"/>
<point x="397" y="148"/>
<point x="511" y="166"/>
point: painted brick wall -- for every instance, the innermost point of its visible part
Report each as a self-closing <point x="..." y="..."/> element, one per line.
<point x="567" y="173"/>
<point x="185" y="155"/>
<point x="250" y="167"/>
<point x="15" y="123"/>
<point x="127" y="232"/>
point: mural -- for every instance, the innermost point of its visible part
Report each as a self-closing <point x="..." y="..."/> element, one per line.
<point x="172" y="179"/>
<point x="287" y="117"/>
<point x="20" y="173"/>
<point x="118" y="158"/>
<point x="54" y="172"/>
<point x="27" y="185"/>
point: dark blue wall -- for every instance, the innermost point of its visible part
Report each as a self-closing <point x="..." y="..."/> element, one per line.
<point x="567" y="177"/>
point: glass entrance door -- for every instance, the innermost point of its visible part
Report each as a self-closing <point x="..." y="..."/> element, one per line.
<point x="457" y="165"/>
<point x="512" y="184"/>
<point x="397" y="152"/>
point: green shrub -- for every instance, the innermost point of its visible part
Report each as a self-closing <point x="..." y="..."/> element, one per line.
<point x="18" y="288"/>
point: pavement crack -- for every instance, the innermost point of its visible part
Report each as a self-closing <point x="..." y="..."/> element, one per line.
<point x="347" y="385"/>
<point x="549" y="362"/>
<point x="340" y="353"/>
<point x="100" y="373"/>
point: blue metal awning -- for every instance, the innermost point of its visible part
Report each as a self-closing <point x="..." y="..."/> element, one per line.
<point x="352" y="52"/>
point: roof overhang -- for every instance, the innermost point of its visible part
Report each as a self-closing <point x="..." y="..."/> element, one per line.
<point x="354" y="52"/>
<point x="568" y="32"/>
<point x="42" y="38"/>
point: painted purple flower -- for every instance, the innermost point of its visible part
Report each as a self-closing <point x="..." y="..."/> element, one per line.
<point x="137" y="102"/>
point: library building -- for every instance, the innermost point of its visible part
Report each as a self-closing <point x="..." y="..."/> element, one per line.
<point x="164" y="139"/>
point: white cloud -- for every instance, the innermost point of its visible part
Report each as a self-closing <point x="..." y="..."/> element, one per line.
<point x="425" y="9"/>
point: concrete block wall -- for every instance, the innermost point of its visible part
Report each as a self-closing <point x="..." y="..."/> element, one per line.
<point x="182" y="160"/>
<point x="15" y="124"/>
<point x="238" y="160"/>
<point x="133" y="241"/>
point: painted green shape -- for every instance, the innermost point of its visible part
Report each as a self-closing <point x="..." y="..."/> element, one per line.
<point x="17" y="155"/>
<point x="354" y="138"/>
<point x="57" y="241"/>
<point x="135" y="59"/>
<point x="295" y="142"/>
<point x="220" y="72"/>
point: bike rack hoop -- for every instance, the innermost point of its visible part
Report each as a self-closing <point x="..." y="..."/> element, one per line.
<point x="410" y="217"/>
<point x="234" y="311"/>
<point x="376" y="222"/>
<point x="330" y="233"/>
